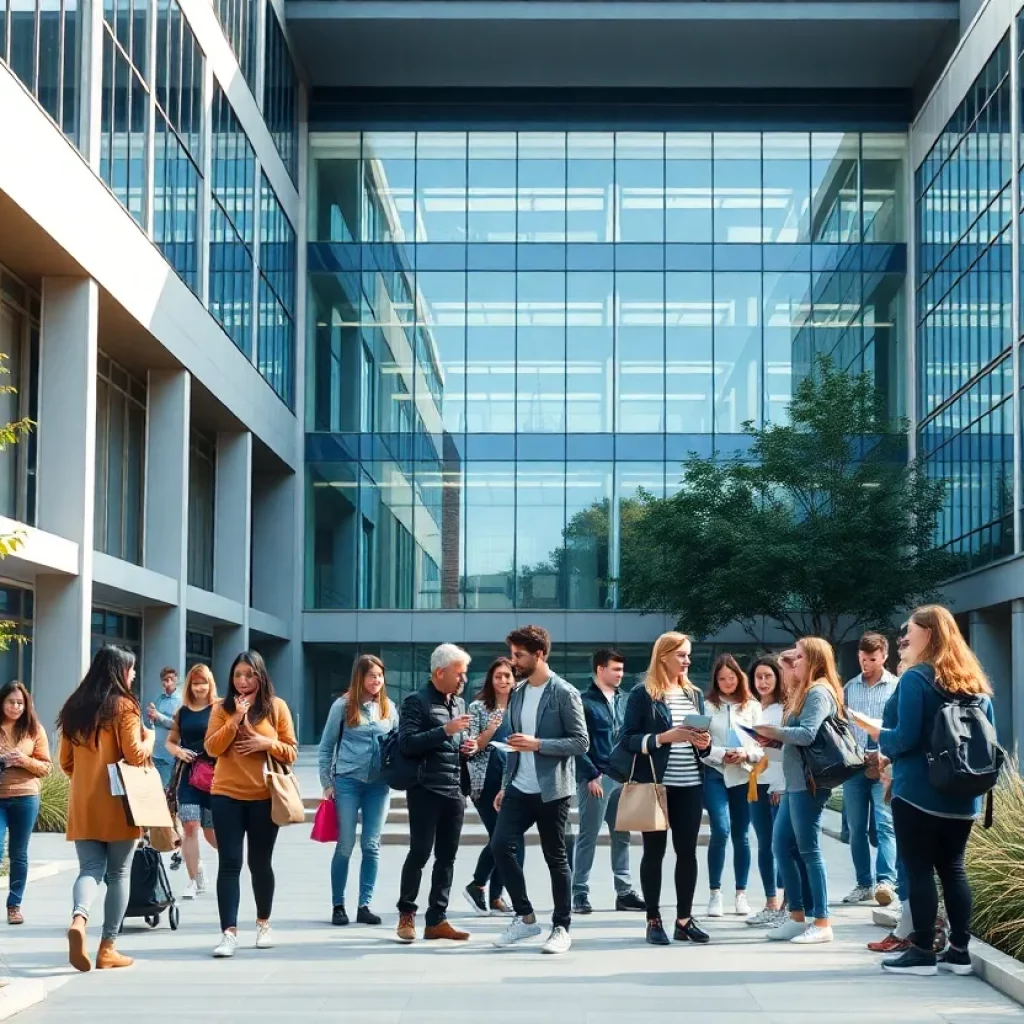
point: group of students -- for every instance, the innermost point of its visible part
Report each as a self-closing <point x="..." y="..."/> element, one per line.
<point x="530" y="741"/>
<point x="527" y="745"/>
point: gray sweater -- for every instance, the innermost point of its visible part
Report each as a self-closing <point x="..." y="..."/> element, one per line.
<point x="800" y="731"/>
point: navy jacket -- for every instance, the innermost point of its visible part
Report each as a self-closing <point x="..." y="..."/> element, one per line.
<point x="603" y="734"/>
<point x="421" y="735"/>
<point x="645" y="719"/>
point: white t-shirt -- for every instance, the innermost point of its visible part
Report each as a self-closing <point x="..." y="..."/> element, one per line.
<point x="526" y="780"/>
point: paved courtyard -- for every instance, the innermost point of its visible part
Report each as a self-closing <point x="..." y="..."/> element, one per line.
<point x="319" y="973"/>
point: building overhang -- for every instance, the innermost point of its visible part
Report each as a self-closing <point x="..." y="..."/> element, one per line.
<point x="673" y="44"/>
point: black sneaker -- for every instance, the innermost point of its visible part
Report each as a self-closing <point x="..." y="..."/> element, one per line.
<point x="629" y="901"/>
<point x="913" y="961"/>
<point x="656" y="933"/>
<point x="955" y="961"/>
<point x="364" y="915"/>
<point x="175" y="861"/>
<point x="581" y="905"/>
<point x="476" y="898"/>
<point x="338" y="916"/>
<point x="690" y="932"/>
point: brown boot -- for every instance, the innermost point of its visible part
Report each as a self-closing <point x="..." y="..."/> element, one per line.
<point x="108" y="957"/>
<point x="77" y="956"/>
<point x="444" y="930"/>
<point x="407" y="927"/>
<point x="15" y="916"/>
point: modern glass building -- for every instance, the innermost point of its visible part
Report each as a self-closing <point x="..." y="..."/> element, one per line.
<point x="380" y="319"/>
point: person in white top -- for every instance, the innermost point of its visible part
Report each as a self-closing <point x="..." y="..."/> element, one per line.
<point x="733" y="755"/>
<point x="767" y="785"/>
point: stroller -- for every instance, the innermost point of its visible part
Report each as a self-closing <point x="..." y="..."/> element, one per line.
<point x="150" y="893"/>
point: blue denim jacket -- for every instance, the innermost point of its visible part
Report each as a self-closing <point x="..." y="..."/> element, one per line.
<point x="906" y="728"/>
<point x="352" y="750"/>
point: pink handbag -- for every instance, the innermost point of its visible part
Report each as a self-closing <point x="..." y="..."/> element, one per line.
<point x="325" y="824"/>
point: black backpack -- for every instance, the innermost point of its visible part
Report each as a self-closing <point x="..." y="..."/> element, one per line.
<point x="964" y="757"/>
<point x="397" y="770"/>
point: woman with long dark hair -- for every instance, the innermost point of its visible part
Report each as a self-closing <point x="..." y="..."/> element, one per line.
<point x="246" y="728"/>
<point x="488" y="723"/>
<point x="349" y="761"/>
<point x="727" y="776"/>
<point x="766" y="787"/>
<point x="101" y="724"/>
<point x="186" y="742"/>
<point x="24" y="760"/>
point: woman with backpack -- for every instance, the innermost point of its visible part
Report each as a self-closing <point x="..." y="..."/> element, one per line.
<point x="669" y="752"/>
<point x="816" y="694"/>
<point x="349" y="760"/>
<point x="943" y="692"/>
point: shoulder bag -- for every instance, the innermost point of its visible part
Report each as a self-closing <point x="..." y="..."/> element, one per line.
<point x="286" y="807"/>
<point x="643" y="806"/>
<point x="834" y="757"/>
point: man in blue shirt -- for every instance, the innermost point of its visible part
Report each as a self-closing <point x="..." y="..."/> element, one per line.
<point x="864" y="794"/>
<point x="161" y="716"/>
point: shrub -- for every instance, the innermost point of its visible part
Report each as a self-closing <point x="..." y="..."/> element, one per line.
<point x="995" y="866"/>
<point x="835" y="800"/>
<point x="53" y="802"/>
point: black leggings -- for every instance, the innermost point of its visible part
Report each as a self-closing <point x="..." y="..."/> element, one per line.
<point x="685" y="811"/>
<point x="234" y="821"/>
<point x="930" y="845"/>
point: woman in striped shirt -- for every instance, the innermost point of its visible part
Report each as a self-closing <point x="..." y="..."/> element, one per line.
<point x="669" y="752"/>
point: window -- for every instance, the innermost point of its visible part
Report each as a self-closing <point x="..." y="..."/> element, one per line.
<point x="281" y="93"/>
<point x="40" y="40"/>
<point x="198" y="648"/>
<point x="275" y="357"/>
<point x="238" y="20"/>
<point x="178" y="142"/>
<point x="202" y="487"/>
<point x="122" y="629"/>
<point x="16" y="609"/>
<point x="232" y="215"/>
<point x="120" y="461"/>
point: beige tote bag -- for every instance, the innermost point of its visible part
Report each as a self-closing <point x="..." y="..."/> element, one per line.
<point x="643" y="806"/>
<point x="285" y="801"/>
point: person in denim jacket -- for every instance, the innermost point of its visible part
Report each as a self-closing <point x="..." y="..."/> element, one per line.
<point x="349" y="773"/>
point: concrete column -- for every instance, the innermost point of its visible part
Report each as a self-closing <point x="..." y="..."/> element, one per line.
<point x="166" y="520"/>
<point x="1016" y="711"/>
<point x="989" y="634"/>
<point x="65" y="485"/>
<point x="232" y="532"/>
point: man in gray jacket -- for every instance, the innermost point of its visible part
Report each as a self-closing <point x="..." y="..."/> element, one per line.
<point x="549" y="730"/>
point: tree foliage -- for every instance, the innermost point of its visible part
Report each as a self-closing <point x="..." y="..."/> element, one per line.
<point x="822" y="529"/>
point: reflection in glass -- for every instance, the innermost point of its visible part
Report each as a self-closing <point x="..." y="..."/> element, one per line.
<point x="491" y="352"/>
<point x="737" y="186"/>
<point x="737" y="350"/>
<point x="688" y="190"/>
<point x="689" y="359"/>
<point x="640" y="186"/>
<point x="787" y="311"/>
<point x="541" y="187"/>
<point x="492" y="187"/>
<point x="540" y="521"/>
<point x="640" y="352"/>
<point x="589" y="519"/>
<point x="540" y="353"/>
<point x="589" y="356"/>
<point x="786" y="187"/>
<point x="590" y="183"/>
<point x="835" y="187"/>
<point x="440" y="187"/>
<point x="442" y="321"/>
<point x="387" y="187"/>
<point x="489" y="534"/>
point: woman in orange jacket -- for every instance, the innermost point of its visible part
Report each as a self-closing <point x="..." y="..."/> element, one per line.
<point x="101" y="724"/>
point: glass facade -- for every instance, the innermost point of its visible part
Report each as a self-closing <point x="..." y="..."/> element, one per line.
<point x="239" y="20"/>
<point x="122" y="629"/>
<point x="198" y="648"/>
<point x="964" y="318"/>
<point x="512" y="332"/>
<point x="275" y="356"/>
<point x="41" y="42"/>
<point x="16" y="608"/>
<point x="281" y="93"/>
<point x="202" y="490"/>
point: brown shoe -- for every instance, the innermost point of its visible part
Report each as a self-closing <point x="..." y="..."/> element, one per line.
<point x="890" y="944"/>
<point x="108" y="957"/>
<point x="444" y="930"/>
<point x="15" y="916"/>
<point x="77" y="956"/>
<point x="406" y="928"/>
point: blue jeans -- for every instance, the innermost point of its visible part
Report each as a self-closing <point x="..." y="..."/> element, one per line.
<point x="18" y="817"/>
<point x="352" y="798"/>
<point x="729" y="814"/>
<point x="797" y="846"/>
<point x="596" y="811"/>
<point x="762" y="816"/>
<point x="864" y="800"/>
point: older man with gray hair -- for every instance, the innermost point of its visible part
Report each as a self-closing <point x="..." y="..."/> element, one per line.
<point x="433" y="730"/>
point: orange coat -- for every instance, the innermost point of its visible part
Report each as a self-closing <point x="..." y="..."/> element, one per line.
<point x="92" y="812"/>
<point x="241" y="775"/>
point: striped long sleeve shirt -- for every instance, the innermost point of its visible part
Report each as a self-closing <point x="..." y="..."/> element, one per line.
<point x="869" y="700"/>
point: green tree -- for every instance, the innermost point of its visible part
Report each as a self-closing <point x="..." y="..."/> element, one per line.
<point x="822" y="529"/>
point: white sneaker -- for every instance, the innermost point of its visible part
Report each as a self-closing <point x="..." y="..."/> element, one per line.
<point x="190" y="890"/>
<point x="518" y="930"/>
<point x="201" y="880"/>
<point x="789" y="929"/>
<point x="226" y="946"/>
<point x="715" y="904"/>
<point x="859" y="894"/>
<point x="558" y="941"/>
<point x="763" y="918"/>
<point x="742" y="906"/>
<point x="264" y="937"/>
<point x="813" y="935"/>
<point x="887" y="917"/>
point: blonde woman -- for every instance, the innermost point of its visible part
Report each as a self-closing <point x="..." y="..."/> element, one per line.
<point x="816" y="693"/>
<point x="186" y="742"/>
<point x="932" y="827"/>
<point x="669" y="752"/>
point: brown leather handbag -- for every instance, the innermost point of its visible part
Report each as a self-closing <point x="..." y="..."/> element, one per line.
<point x="643" y="806"/>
